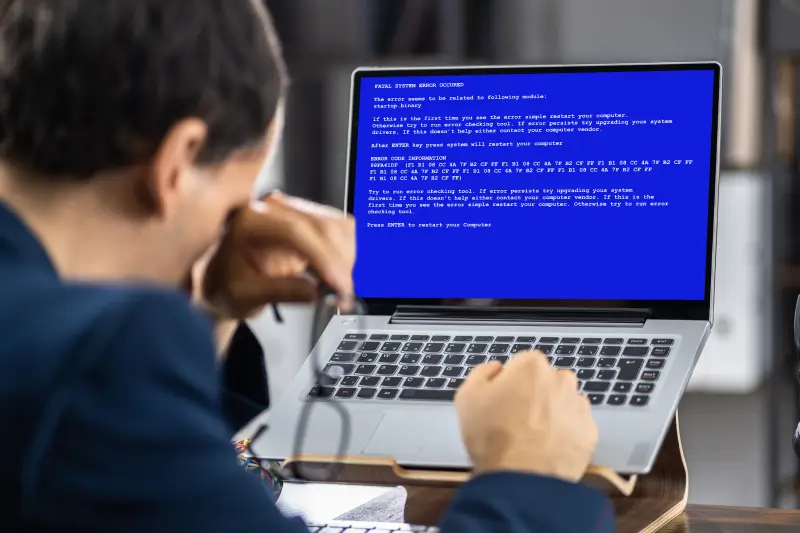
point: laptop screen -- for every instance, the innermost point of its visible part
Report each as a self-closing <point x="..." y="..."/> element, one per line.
<point x="584" y="185"/>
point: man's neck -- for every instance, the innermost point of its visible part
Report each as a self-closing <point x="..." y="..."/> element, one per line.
<point x="81" y="233"/>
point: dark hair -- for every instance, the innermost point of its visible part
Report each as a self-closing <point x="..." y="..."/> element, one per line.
<point x="92" y="85"/>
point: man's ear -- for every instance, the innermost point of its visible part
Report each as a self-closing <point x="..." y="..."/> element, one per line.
<point x="173" y="166"/>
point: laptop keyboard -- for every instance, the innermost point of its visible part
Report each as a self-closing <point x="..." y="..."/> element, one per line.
<point x="367" y="527"/>
<point x="614" y="371"/>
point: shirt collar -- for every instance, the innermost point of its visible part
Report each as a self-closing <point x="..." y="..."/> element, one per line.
<point x="18" y="243"/>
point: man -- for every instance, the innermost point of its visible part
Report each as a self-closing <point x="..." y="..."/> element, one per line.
<point x="130" y="135"/>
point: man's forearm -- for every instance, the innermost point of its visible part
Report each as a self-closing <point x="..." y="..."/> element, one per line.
<point x="223" y="333"/>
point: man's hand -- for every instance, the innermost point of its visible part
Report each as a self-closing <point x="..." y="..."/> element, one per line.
<point x="277" y="251"/>
<point x="528" y="417"/>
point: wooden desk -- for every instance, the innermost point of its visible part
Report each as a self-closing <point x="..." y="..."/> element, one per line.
<point x="709" y="519"/>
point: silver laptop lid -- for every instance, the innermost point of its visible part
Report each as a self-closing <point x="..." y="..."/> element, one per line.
<point x="557" y="187"/>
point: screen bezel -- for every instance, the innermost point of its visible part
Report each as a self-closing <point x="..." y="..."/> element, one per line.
<point x="657" y="309"/>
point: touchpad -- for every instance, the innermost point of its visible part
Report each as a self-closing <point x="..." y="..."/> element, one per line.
<point x="412" y="436"/>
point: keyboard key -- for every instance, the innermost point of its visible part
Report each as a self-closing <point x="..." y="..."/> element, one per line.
<point x="606" y="363"/>
<point x="428" y="394"/>
<point x="436" y="383"/>
<point x="369" y="346"/>
<point x="407" y="370"/>
<point x="462" y="338"/>
<point x="454" y="383"/>
<point x="660" y="352"/>
<point x="387" y="370"/>
<point x="452" y="371"/>
<point x="399" y="338"/>
<point x="355" y="336"/>
<point x="327" y="380"/>
<point x="367" y="394"/>
<point x="342" y="357"/>
<point x="430" y="371"/>
<point x="392" y="382"/>
<point x="564" y="362"/>
<point x="346" y="392"/>
<point x="467" y="370"/>
<point x="545" y="348"/>
<point x="549" y="340"/>
<point x="586" y="374"/>
<point x="607" y="374"/>
<point x="477" y="348"/>
<point x="504" y="339"/>
<point x="419" y="337"/>
<point x="637" y="341"/>
<point x="347" y="346"/>
<point x="502" y="358"/>
<point x="433" y="347"/>
<point x="663" y="342"/>
<point x="622" y="387"/>
<point x="412" y="347"/>
<point x="391" y="346"/>
<point x="350" y="381"/>
<point x="387" y="394"/>
<point x="440" y="338"/>
<point x="455" y="347"/>
<point x="476" y="359"/>
<point x="617" y="399"/>
<point x="610" y="350"/>
<point x="596" y="399"/>
<point x="338" y="370"/>
<point x="365" y="370"/>
<point x="635" y="351"/>
<point x="571" y="340"/>
<point x="389" y="358"/>
<point x="499" y="348"/>
<point x="432" y="359"/>
<point x="592" y="340"/>
<point x="629" y="369"/>
<point x="516" y="348"/>
<point x="655" y="364"/>
<point x="369" y="381"/>
<point x="614" y="340"/>
<point x="367" y="358"/>
<point x="596" y="386"/>
<point x="321" y="392"/>
<point x="587" y="350"/>
<point x="565" y="350"/>
<point x="586" y="362"/>
<point x="379" y="337"/>
<point x="645" y="388"/>
<point x="484" y="338"/>
<point x="527" y="340"/>
<point x="650" y="375"/>
<point x="453" y="359"/>
<point x="410" y="359"/>
<point x="640" y="401"/>
<point x="414" y="383"/>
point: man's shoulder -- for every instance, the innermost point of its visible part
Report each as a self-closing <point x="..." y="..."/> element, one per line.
<point x="59" y="318"/>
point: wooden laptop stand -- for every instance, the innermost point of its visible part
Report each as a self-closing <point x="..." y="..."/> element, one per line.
<point x="644" y="504"/>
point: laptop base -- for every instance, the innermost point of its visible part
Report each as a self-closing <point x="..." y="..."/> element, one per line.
<point x="644" y="503"/>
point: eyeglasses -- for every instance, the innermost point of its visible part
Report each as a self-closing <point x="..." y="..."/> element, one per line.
<point x="328" y="305"/>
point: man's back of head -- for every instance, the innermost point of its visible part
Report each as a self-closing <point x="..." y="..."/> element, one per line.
<point x="160" y="91"/>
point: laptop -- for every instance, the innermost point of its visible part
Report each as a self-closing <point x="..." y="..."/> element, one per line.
<point x="568" y="209"/>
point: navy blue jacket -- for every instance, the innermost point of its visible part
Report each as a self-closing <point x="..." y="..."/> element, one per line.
<point x="113" y="418"/>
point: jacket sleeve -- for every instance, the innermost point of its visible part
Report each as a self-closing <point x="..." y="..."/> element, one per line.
<point x="510" y="502"/>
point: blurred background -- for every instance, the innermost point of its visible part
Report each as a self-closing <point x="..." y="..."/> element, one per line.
<point x="739" y="415"/>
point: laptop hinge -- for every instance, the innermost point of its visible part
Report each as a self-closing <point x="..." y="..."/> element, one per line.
<point x="522" y="317"/>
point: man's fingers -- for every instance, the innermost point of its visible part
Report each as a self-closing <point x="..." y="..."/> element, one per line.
<point x="480" y="375"/>
<point x="276" y="224"/>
